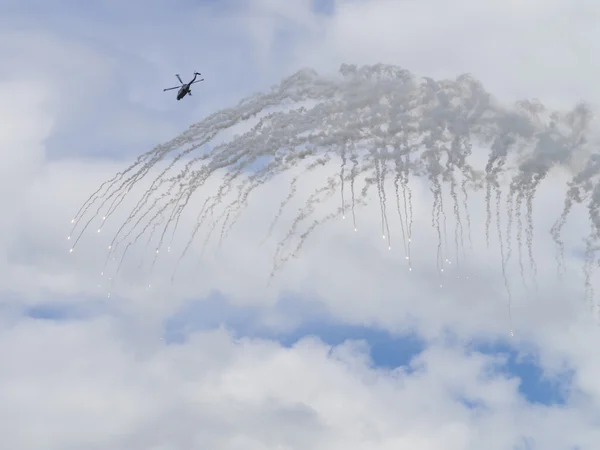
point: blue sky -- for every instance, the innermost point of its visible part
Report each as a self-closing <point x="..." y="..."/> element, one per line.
<point x="387" y="350"/>
<point x="346" y="349"/>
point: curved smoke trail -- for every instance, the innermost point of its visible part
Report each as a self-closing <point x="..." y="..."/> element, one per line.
<point x="368" y="123"/>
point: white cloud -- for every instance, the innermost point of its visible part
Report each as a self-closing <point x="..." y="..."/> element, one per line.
<point x="217" y="392"/>
<point x="518" y="49"/>
<point x="109" y="384"/>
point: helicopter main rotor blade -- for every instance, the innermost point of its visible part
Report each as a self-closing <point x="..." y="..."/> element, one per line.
<point x="179" y="78"/>
<point x="197" y="81"/>
<point x="170" y="89"/>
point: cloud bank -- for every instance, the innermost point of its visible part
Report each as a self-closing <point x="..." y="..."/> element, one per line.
<point x="85" y="371"/>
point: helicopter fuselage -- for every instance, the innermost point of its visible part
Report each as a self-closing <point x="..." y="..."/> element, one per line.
<point x="183" y="91"/>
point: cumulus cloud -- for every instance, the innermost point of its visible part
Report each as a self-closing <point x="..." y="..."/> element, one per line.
<point x="518" y="49"/>
<point x="218" y="391"/>
<point x="97" y="374"/>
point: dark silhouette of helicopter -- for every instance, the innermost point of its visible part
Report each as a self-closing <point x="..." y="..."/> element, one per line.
<point x="184" y="89"/>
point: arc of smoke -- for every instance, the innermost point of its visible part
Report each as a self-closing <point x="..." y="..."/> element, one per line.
<point x="371" y="107"/>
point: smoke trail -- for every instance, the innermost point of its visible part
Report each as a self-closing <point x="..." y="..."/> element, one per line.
<point x="384" y="203"/>
<point x="309" y="208"/>
<point x="488" y="212"/>
<point x="368" y="116"/>
<point x="509" y="223"/>
<point x="407" y="208"/>
<point x="459" y="241"/>
<point x="342" y="169"/>
<point x="579" y="188"/>
<point x="503" y="260"/>
<point x="520" y="238"/>
<point x="590" y="251"/>
<point x="353" y="173"/>
<point x="466" y="208"/>
<point x="282" y="206"/>
<point x="317" y="197"/>
<point x="444" y="223"/>
<point x="399" y="209"/>
<point x="379" y="181"/>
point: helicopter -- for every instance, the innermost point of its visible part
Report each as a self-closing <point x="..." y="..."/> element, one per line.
<point x="184" y="89"/>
